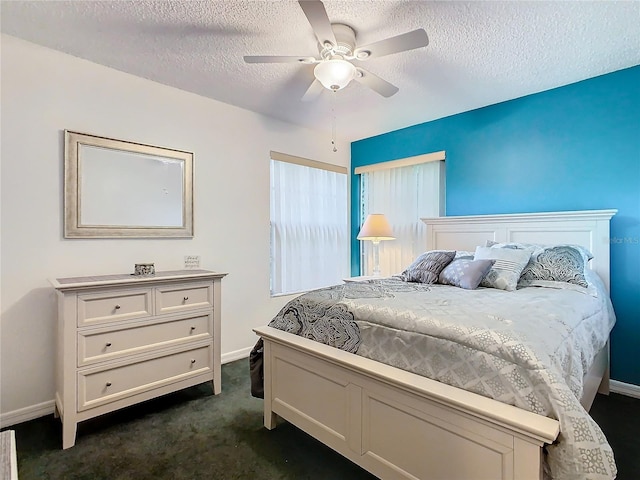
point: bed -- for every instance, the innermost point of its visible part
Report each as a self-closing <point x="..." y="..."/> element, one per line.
<point x="398" y="424"/>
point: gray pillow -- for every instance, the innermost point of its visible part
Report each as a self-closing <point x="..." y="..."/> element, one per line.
<point x="466" y="273"/>
<point x="427" y="267"/>
<point x="560" y="266"/>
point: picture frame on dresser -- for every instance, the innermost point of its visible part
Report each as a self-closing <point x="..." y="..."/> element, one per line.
<point x="123" y="339"/>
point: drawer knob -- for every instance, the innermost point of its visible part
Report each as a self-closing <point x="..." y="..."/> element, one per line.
<point x="193" y="328"/>
<point x="108" y="384"/>
<point x="193" y="360"/>
<point x="108" y="344"/>
<point x="117" y="307"/>
<point x="185" y="299"/>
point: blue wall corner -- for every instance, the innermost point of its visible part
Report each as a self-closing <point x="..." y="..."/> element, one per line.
<point x="575" y="147"/>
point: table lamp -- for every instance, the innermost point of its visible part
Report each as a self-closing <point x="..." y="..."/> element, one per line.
<point x="376" y="228"/>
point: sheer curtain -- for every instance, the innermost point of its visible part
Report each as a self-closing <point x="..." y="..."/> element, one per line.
<point x="309" y="230"/>
<point x="404" y="195"/>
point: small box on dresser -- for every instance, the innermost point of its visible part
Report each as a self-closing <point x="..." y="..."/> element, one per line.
<point x="124" y="339"/>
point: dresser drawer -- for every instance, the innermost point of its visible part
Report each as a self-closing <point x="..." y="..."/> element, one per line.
<point x="99" y="345"/>
<point x="177" y="298"/>
<point x="113" y="306"/>
<point x="101" y="387"/>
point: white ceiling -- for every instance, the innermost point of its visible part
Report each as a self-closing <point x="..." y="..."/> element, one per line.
<point x="480" y="52"/>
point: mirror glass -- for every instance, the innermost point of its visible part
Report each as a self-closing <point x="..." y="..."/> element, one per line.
<point x="116" y="188"/>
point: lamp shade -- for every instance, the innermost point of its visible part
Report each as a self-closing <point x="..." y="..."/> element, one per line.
<point x="376" y="228"/>
<point x="335" y="74"/>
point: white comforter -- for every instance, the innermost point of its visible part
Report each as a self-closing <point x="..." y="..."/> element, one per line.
<point x="529" y="348"/>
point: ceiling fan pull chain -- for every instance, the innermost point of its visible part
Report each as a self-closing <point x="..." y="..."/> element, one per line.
<point x="333" y="120"/>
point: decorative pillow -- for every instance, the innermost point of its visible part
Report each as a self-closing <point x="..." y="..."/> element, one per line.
<point x="465" y="272"/>
<point x="562" y="266"/>
<point x="556" y="266"/>
<point x="506" y="270"/>
<point x="427" y="267"/>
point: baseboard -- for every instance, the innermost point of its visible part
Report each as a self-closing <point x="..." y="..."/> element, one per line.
<point x="622" y="388"/>
<point x="27" y="413"/>
<point x="237" y="355"/>
<point x="46" y="408"/>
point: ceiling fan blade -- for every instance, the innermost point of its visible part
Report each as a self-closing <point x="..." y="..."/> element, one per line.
<point x="278" y="59"/>
<point x="313" y="92"/>
<point x="319" y="20"/>
<point x="375" y="83"/>
<point x="400" y="43"/>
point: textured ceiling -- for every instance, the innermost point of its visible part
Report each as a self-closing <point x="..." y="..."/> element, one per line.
<point x="480" y="52"/>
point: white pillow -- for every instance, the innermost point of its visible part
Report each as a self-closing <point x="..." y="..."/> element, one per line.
<point x="583" y="251"/>
<point x="506" y="270"/>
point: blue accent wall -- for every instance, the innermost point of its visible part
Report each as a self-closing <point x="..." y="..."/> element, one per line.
<point x="575" y="147"/>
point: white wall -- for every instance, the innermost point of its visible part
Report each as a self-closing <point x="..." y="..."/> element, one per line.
<point x="45" y="92"/>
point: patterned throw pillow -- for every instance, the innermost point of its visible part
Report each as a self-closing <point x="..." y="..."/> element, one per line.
<point x="558" y="266"/>
<point x="562" y="266"/>
<point x="427" y="267"/>
<point x="506" y="270"/>
<point x="466" y="273"/>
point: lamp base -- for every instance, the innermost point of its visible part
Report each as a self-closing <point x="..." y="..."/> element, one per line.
<point x="376" y="258"/>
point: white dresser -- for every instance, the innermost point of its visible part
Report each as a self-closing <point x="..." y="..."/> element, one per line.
<point x="123" y="339"/>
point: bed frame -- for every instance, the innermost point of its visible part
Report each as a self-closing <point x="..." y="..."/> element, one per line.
<point x="396" y="424"/>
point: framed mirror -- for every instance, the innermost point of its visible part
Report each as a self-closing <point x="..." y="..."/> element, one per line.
<point x="114" y="188"/>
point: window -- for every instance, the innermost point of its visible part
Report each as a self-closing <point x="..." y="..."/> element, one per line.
<point x="309" y="229"/>
<point x="405" y="191"/>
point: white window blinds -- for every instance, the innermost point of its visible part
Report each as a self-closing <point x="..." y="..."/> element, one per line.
<point x="309" y="230"/>
<point x="403" y="194"/>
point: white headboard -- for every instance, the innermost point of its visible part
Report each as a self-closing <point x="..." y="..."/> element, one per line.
<point x="589" y="228"/>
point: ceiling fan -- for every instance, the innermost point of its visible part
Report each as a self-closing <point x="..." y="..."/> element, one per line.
<point x="337" y="48"/>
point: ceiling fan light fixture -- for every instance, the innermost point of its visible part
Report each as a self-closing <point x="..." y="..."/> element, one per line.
<point x="335" y="74"/>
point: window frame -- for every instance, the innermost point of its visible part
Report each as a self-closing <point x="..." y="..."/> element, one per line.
<point x="277" y="280"/>
<point x="364" y="249"/>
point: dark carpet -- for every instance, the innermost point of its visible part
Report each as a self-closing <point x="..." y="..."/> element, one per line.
<point x="193" y="434"/>
<point x="619" y="418"/>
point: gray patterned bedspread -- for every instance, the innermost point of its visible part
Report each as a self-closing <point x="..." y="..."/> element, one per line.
<point x="529" y="348"/>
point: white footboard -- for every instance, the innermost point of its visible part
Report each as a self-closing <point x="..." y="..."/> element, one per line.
<point x="396" y="424"/>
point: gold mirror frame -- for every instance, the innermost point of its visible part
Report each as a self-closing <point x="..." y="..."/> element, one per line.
<point x="115" y="159"/>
